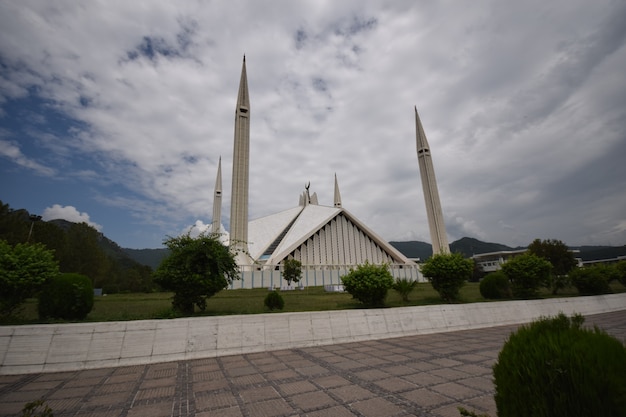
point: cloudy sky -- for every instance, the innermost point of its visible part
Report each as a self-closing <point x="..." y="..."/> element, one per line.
<point x="116" y="113"/>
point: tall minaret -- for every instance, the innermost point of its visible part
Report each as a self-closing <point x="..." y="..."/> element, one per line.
<point x="438" y="237"/>
<point x="241" y="167"/>
<point x="337" y="195"/>
<point x="217" y="200"/>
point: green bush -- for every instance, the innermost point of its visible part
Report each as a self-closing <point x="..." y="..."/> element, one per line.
<point x="620" y="272"/>
<point x="495" y="286"/>
<point x="593" y="280"/>
<point x="274" y="301"/>
<point x="368" y="283"/>
<point x="555" y="367"/>
<point x="24" y="269"/>
<point x="448" y="272"/>
<point x="404" y="286"/>
<point x="67" y="296"/>
<point x="527" y="273"/>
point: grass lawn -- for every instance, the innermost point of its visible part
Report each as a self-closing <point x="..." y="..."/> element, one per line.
<point x="115" y="307"/>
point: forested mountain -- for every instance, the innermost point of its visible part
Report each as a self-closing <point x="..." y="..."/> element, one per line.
<point x="149" y="257"/>
<point x="467" y="246"/>
<point x="79" y="248"/>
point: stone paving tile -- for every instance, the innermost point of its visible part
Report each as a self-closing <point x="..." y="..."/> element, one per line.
<point x="394" y="385"/>
<point x="378" y="407"/>
<point x="350" y="393"/>
<point x="298" y="387"/>
<point x="312" y="401"/>
<point x="258" y="394"/>
<point x="425" y="398"/>
<point x="216" y="400"/>
<point x="222" y="412"/>
<point x="271" y="408"/>
<point x="332" y="412"/>
<point x="424" y="375"/>
<point x="331" y="381"/>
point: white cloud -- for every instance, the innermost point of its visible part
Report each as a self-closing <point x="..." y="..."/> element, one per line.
<point x="69" y="213"/>
<point x="516" y="98"/>
<point x="198" y="228"/>
<point x="12" y="151"/>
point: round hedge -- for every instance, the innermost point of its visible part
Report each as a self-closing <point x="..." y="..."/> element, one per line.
<point x="554" y="367"/>
<point x="68" y="296"/>
<point x="369" y="283"/>
<point x="495" y="286"/>
<point x="274" y="301"/>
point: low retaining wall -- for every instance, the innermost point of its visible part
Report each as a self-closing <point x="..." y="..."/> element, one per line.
<point x="70" y="347"/>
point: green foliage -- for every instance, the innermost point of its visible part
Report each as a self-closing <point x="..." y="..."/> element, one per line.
<point x="24" y="268"/>
<point x="477" y="273"/>
<point x="495" y="286"/>
<point x="195" y="270"/>
<point x="559" y="256"/>
<point x="37" y="408"/>
<point x="292" y="270"/>
<point x="592" y="280"/>
<point x="447" y="273"/>
<point x="274" y="301"/>
<point x="404" y="286"/>
<point x="79" y="248"/>
<point x="555" y="367"/>
<point x="527" y="273"/>
<point x="368" y="283"/>
<point x="67" y="296"/>
<point x="620" y="272"/>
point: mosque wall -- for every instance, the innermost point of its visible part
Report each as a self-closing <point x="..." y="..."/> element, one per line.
<point x="314" y="275"/>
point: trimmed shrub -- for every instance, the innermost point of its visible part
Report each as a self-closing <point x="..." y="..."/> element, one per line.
<point x="404" y="287"/>
<point x="368" y="283"/>
<point x="68" y="296"/>
<point x="495" y="286"/>
<point x="274" y="301"/>
<point x="555" y="367"/>
<point x="527" y="273"/>
<point x="592" y="280"/>
<point x="448" y="272"/>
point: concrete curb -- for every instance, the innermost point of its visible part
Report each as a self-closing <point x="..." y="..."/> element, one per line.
<point x="71" y="347"/>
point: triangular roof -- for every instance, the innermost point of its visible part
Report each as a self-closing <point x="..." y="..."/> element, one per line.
<point x="274" y="237"/>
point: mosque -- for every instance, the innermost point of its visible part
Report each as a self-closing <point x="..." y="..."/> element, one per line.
<point x="327" y="240"/>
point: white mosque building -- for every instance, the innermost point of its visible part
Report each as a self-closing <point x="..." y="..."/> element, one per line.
<point x="327" y="240"/>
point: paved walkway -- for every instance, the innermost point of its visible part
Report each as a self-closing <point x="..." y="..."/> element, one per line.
<point x="425" y="375"/>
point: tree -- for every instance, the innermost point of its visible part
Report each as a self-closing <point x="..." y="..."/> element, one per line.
<point x="196" y="269"/>
<point x="24" y="268"/>
<point x="292" y="270"/>
<point x="368" y="283"/>
<point x="527" y="272"/>
<point x="559" y="256"/>
<point x="447" y="272"/>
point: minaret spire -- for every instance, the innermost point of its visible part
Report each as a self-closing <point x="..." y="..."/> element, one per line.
<point x="337" y="195"/>
<point x="241" y="167"/>
<point x="438" y="237"/>
<point x="217" y="200"/>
